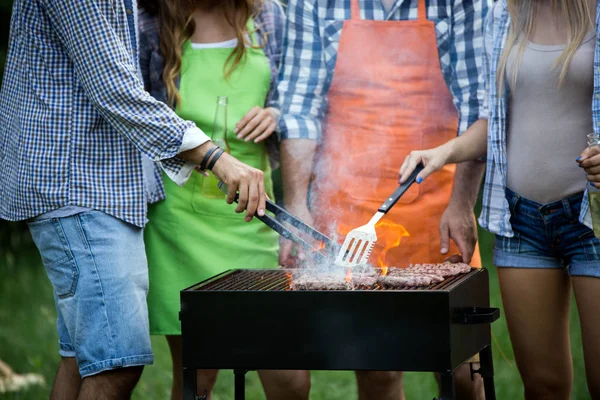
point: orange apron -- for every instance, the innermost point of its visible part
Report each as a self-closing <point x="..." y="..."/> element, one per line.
<point x="387" y="97"/>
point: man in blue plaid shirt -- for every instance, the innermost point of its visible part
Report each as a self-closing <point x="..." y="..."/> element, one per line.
<point x="77" y="134"/>
<point x="362" y="84"/>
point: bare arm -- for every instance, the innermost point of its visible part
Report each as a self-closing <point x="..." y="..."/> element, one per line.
<point x="470" y="146"/>
<point x="297" y="157"/>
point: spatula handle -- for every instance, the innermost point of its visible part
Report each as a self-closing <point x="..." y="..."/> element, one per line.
<point x="399" y="192"/>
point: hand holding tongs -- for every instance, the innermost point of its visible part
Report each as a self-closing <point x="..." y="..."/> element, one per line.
<point x="277" y="226"/>
<point x="360" y="241"/>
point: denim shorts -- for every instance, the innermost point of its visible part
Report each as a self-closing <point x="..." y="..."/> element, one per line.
<point x="98" y="270"/>
<point x="548" y="236"/>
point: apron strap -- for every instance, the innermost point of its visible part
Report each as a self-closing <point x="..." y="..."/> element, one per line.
<point x="422" y="15"/>
<point x="355" y="10"/>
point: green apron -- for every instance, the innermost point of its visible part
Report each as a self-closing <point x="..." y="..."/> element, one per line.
<point x="190" y="237"/>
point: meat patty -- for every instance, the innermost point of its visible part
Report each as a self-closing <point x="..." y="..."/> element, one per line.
<point x="319" y="282"/>
<point x="444" y="270"/>
<point x="400" y="277"/>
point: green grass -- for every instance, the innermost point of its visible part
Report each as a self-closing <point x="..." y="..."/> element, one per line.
<point x="28" y="342"/>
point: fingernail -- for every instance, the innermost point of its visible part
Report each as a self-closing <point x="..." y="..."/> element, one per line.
<point x="579" y="158"/>
<point x="235" y="130"/>
<point x="247" y="140"/>
<point x="261" y="212"/>
<point x="419" y="180"/>
<point x="444" y="251"/>
<point x="248" y="219"/>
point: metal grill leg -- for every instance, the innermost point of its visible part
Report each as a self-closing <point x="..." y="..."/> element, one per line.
<point x="447" y="386"/>
<point x="240" y="384"/>
<point x="189" y="384"/>
<point x="487" y="372"/>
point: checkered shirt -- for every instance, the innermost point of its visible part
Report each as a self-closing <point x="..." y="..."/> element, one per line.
<point x="495" y="214"/>
<point x="311" y="43"/>
<point x="75" y="120"/>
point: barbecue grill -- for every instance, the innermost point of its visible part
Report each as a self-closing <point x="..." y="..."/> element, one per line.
<point x="253" y="319"/>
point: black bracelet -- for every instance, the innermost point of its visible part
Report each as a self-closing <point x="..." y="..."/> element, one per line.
<point x="218" y="154"/>
<point x="207" y="157"/>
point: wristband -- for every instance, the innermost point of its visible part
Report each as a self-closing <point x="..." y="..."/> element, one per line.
<point x="207" y="157"/>
<point x="218" y="155"/>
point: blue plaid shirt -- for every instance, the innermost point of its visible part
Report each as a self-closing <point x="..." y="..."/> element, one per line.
<point x="75" y="120"/>
<point x="311" y="43"/>
<point x="495" y="215"/>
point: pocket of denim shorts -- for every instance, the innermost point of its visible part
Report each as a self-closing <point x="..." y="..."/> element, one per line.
<point x="591" y="245"/>
<point x="50" y="239"/>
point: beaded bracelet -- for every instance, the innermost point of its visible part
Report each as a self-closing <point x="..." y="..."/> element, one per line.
<point x="212" y="163"/>
<point x="207" y="157"/>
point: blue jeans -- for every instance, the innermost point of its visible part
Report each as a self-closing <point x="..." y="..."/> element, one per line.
<point x="548" y="236"/>
<point x="97" y="266"/>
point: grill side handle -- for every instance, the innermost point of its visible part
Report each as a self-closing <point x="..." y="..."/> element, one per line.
<point x="475" y="315"/>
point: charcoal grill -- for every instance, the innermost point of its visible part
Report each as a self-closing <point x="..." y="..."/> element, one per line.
<point x="253" y="320"/>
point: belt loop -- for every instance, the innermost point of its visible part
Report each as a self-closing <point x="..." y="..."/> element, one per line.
<point x="567" y="207"/>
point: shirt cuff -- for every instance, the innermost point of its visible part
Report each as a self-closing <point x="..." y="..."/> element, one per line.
<point x="192" y="138"/>
<point x="183" y="174"/>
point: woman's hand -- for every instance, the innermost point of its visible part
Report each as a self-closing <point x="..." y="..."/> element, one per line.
<point x="433" y="160"/>
<point x="258" y="124"/>
<point x="589" y="160"/>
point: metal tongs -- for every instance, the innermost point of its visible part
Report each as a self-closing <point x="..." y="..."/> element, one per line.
<point x="282" y="215"/>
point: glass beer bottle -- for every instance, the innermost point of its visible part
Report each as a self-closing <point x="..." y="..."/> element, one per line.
<point x="594" y="192"/>
<point x="210" y="183"/>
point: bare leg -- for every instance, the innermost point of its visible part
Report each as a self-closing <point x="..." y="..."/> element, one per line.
<point x="67" y="381"/>
<point x="285" y="385"/>
<point x="110" y="385"/>
<point x="380" y="385"/>
<point x="206" y="378"/>
<point x="467" y="389"/>
<point x="536" y="306"/>
<point x="587" y="294"/>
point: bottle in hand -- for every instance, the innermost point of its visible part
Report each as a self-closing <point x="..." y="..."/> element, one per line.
<point x="210" y="183"/>
<point x="594" y="192"/>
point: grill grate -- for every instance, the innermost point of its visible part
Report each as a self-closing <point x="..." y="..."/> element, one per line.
<point x="279" y="280"/>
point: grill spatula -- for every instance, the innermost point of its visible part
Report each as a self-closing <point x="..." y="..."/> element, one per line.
<point x="360" y="241"/>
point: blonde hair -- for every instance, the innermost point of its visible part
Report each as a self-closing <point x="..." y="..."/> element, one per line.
<point x="577" y="16"/>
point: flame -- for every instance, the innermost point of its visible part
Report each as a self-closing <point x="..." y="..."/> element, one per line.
<point x="389" y="235"/>
<point x="349" y="275"/>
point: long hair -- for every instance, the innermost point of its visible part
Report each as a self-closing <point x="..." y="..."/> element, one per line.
<point x="577" y="17"/>
<point x="177" y="26"/>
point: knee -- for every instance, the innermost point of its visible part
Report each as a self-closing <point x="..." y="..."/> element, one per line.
<point x="379" y="379"/>
<point x="207" y="380"/>
<point x="298" y="385"/>
<point x="286" y="384"/>
<point x="547" y="386"/>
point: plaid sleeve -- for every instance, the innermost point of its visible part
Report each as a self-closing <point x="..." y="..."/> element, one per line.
<point x="488" y="46"/>
<point x="303" y="74"/>
<point x="108" y="75"/>
<point x="466" y="55"/>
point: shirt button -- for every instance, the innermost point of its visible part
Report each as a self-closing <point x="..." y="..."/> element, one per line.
<point x="128" y="11"/>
